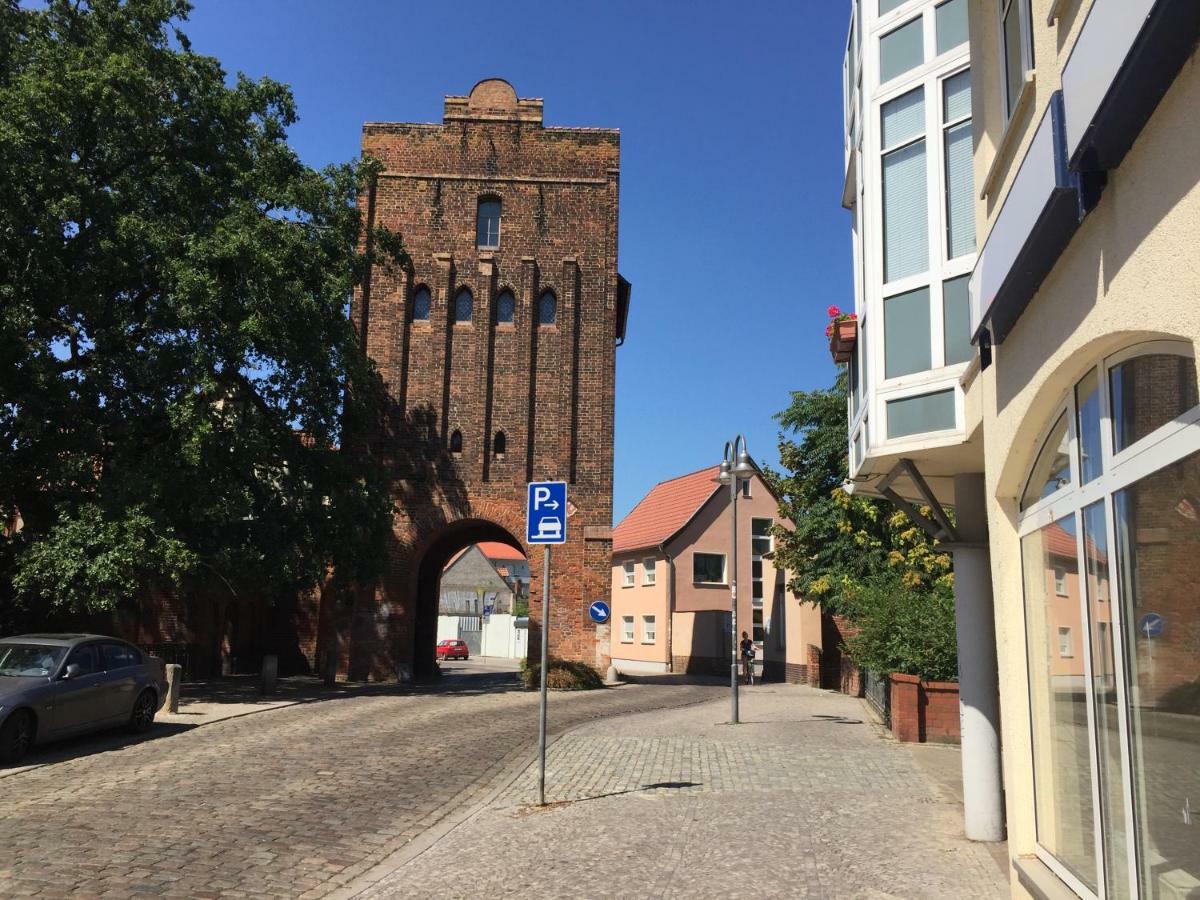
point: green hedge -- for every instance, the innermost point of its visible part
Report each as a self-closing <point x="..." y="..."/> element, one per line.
<point x="903" y="629"/>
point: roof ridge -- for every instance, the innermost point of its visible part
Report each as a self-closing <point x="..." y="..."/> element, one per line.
<point x="689" y="474"/>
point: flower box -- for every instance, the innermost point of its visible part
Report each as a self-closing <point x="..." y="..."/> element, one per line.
<point x="842" y="340"/>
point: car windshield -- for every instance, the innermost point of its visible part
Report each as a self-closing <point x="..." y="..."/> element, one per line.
<point x="29" y="660"/>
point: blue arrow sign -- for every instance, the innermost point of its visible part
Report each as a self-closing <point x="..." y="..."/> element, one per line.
<point x="599" y="611"/>
<point x="546" y="515"/>
<point x="1151" y="625"/>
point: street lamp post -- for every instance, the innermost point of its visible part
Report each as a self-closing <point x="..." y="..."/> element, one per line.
<point x="735" y="468"/>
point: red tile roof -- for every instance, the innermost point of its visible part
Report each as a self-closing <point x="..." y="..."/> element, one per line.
<point x="668" y="507"/>
<point x="494" y="550"/>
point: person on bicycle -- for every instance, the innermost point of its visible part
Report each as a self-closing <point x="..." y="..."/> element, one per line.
<point x="747" y="659"/>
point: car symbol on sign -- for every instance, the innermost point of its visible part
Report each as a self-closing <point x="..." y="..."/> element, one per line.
<point x="549" y="529"/>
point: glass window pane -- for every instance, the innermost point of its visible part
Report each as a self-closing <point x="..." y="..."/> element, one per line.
<point x="1158" y="564"/>
<point x="886" y="6"/>
<point x="956" y="96"/>
<point x="905" y="213"/>
<point x="903" y="119"/>
<point x="1061" y="743"/>
<point x="463" y="304"/>
<point x="1104" y="694"/>
<point x="1148" y="392"/>
<point x="547" y="309"/>
<point x="906" y="344"/>
<point x="951" y="25"/>
<point x="488" y="223"/>
<point x="1052" y="469"/>
<point x="421" y="305"/>
<point x="708" y="568"/>
<point x="760" y="527"/>
<point x="917" y="415"/>
<point x="756" y="617"/>
<point x="956" y="319"/>
<point x="1014" y="65"/>
<point x="901" y="50"/>
<point x="1087" y="402"/>
<point x="505" y="306"/>
<point x="960" y="191"/>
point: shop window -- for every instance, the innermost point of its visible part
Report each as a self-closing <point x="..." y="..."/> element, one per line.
<point x="1111" y="619"/>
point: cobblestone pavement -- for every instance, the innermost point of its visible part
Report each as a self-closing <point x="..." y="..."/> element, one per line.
<point x="804" y="800"/>
<point x="289" y="802"/>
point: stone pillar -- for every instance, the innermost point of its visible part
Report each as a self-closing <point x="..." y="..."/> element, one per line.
<point x="979" y="701"/>
<point x="174" y="677"/>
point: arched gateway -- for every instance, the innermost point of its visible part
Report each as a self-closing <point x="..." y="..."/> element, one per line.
<point x="496" y="212"/>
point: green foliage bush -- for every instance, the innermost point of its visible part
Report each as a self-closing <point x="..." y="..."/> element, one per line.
<point x="903" y="629"/>
<point x="562" y="676"/>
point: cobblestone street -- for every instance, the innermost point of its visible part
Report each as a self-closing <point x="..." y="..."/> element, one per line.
<point x="803" y="800"/>
<point x="289" y="802"/>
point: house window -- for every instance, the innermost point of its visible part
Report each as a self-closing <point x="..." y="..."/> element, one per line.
<point x="906" y="328"/>
<point x="951" y="25"/>
<point x="626" y="629"/>
<point x="921" y="414"/>
<point x="901" y="50"/>
<point x="547" y="309"/>
<point x="746" y="488"/>
<point x="456" y="442"/>
<point x="1111" y="785"/>
<point x="756" y="617"/>
<point x="499" y="444"/>
<point x="1016" y="50"/>
<point x="464" y="305"/>
<point x="648" y="570"/>
<point x="905" y="195"/>
<point x="956" y="320"/>
<point x="1064" y="642"/>
<point x="708" y="568"/>
<point x="960" y="172"/>
<point x="420" y="305"/>
<point x="488" y="223"/>
<point x="627" y="573"/>
<point x="505" y="308"/>
<point x="648" y="630"/>
<point x="761" y="543"/>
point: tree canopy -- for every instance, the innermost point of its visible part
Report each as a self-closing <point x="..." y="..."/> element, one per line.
<point x="856" y="555"/>
<point x="176" y="352"/>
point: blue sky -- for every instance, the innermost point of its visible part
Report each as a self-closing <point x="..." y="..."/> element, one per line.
<point x="731" y="229"/>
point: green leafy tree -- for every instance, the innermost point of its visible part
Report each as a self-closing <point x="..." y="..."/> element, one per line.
<point x="844" y="543"/>
<point x="176" y="353"/>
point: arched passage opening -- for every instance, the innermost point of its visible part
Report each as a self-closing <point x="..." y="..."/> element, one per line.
<point x="472" y="578"/>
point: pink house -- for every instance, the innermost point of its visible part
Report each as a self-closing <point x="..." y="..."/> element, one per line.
<point x="671" y="585"/>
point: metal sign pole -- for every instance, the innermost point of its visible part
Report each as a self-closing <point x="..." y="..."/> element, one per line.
<point x="733" y="667"/>
<point x="542" y="701"/>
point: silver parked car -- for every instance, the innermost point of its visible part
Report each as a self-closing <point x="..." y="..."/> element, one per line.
<point x="58" y="685"/>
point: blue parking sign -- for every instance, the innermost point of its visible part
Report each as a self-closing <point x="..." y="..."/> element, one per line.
<point x="546" y="515"/>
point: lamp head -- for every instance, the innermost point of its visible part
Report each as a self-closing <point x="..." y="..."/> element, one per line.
<point x="723" y="475"/>
<point x="744" y="470"/>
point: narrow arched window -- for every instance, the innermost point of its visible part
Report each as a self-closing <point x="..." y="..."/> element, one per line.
<point x="420" y="305"/>
<point x="464" y="304"/>
<point x="456" y="441"/>
<point x="505" y="307"/>
<point x="499" y="443"/>
<point x="547" y="309"/>
<point x="488" y="223"/>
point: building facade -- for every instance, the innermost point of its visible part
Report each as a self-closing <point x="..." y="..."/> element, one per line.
<point x="1082" y="417"/>
<point x="497" y="350"/>
<point x="671" y="583"/>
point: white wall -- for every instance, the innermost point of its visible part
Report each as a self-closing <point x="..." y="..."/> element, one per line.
<point x="500" y="635"/>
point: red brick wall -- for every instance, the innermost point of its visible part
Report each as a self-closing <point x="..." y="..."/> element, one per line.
<point x="924" y="711"/>
<point x="549" y="389"/>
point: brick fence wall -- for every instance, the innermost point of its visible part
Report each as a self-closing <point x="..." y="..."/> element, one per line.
<point x="924" y="711"/>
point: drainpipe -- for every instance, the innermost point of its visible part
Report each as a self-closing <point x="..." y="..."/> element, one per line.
<point x="670" y="606"/>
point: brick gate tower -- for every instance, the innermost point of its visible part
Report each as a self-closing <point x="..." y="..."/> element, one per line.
<point x="497" y="349"/>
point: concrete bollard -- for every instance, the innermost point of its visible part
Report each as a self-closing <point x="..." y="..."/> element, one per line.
<point x="270" y="673"/>
<point x="174" y="677"/>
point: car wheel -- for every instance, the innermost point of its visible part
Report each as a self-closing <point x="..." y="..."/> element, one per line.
<point x="144" y="709"/>
<point x="16" y="737"/>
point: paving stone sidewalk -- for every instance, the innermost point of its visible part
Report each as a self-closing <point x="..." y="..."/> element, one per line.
<point x="806" y="799"/>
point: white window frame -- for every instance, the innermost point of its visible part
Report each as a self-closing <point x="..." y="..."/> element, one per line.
<point x="649" y="634"/>
<point x="1065" y="646"/>
<point x="1162" y="447"/>
<point x="649" y="573"/>
<point x="755" y="557"/>
<point x="626" y="629"/>
<point x="724" y="567"/>
<point x="1009" y="104"/>
<point x="1060" y="581"/>
<point x="629" y="573"/>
